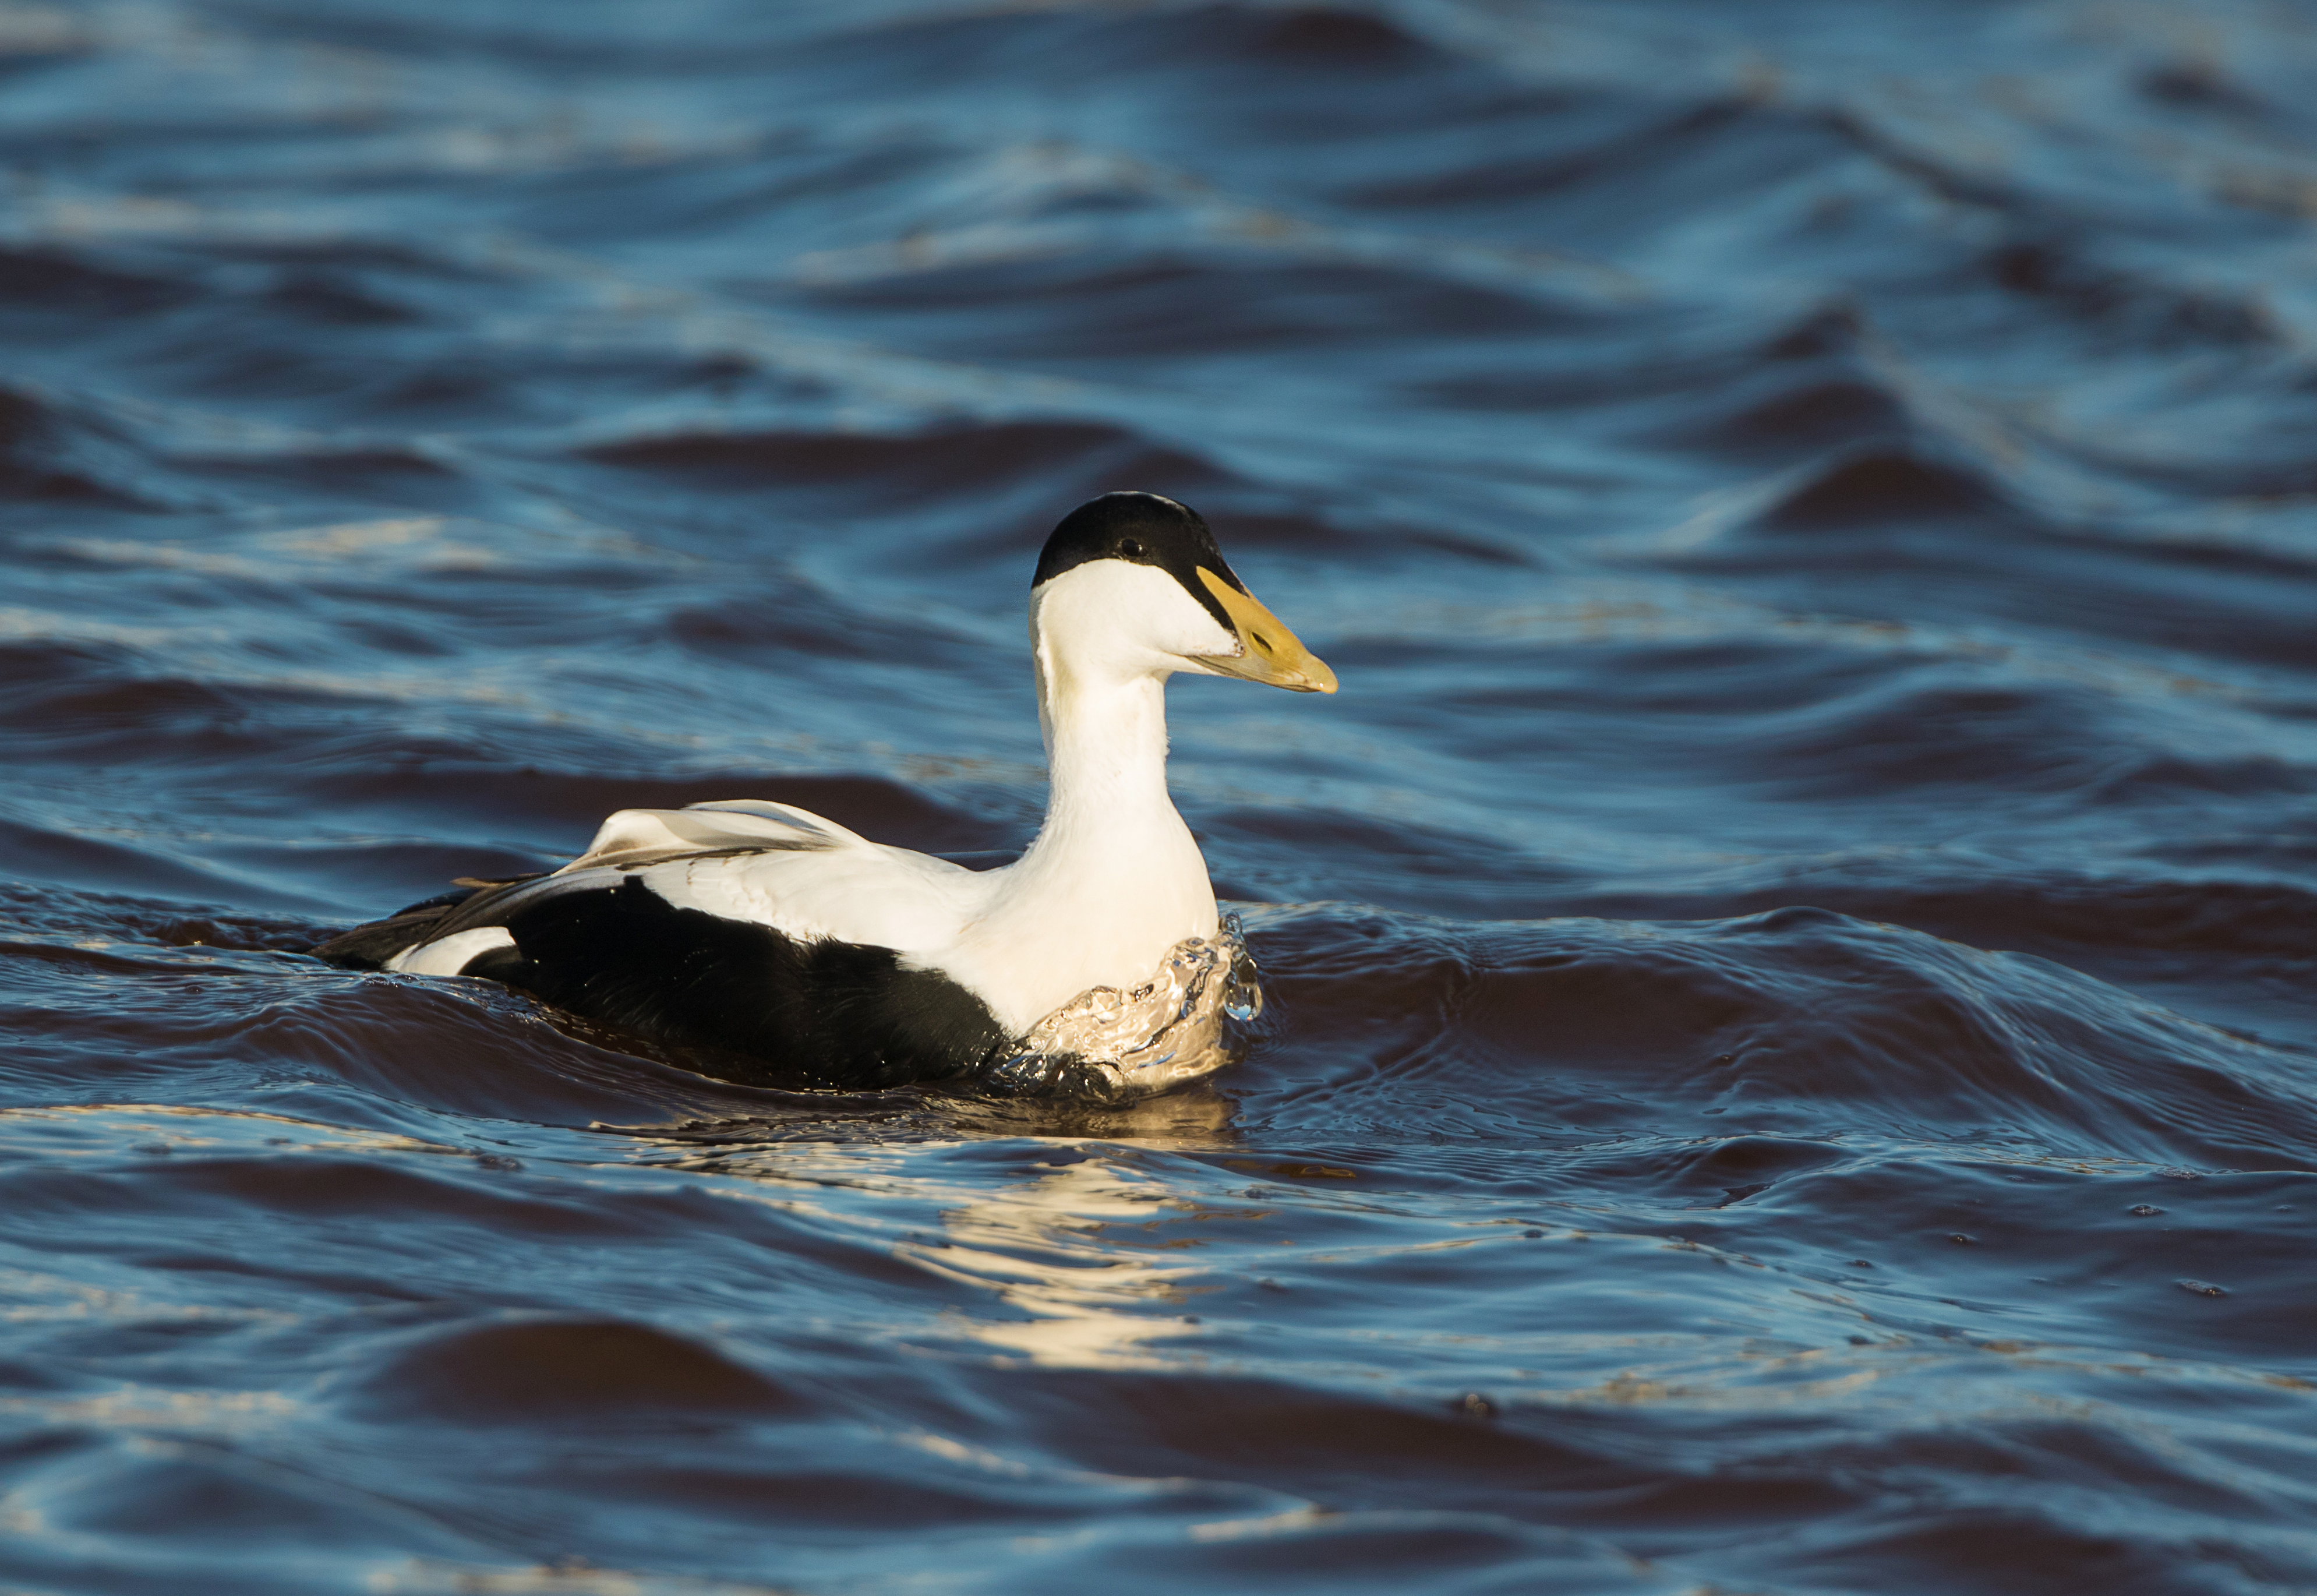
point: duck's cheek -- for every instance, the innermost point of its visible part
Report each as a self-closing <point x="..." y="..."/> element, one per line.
<point x="1187" y="639"/>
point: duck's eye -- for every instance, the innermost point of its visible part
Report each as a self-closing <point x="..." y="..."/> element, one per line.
<point x="1131" y="547"/>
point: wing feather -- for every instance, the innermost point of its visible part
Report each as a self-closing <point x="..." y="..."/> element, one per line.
<point x="749" y="860"/>
<point x="644" y="836"/>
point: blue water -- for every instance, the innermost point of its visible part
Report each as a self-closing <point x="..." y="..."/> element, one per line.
<point x="1792" y="1054"/>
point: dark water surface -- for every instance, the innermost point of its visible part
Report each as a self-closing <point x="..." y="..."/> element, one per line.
<point x="1793" y="1062"/>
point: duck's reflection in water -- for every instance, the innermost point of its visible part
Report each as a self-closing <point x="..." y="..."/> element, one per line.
<point x="1070" y="1295"/>
<point x="1198" y="1116"/>
<point x="1060" y="1250"/>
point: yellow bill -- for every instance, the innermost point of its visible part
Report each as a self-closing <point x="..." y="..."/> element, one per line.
<point x="1273" y="654"/>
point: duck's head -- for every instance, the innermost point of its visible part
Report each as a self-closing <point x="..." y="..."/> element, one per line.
<point x="1135" y="581"/>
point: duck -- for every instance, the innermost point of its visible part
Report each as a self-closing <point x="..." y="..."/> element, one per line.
<point x="796" y="951"/>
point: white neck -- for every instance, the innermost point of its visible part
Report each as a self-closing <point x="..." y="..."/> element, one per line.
<point x="1113" y="879"/>
<point x="1105" y="750"/>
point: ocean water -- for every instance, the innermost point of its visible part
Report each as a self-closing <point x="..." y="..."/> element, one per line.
<point x="1791" y="1062"/>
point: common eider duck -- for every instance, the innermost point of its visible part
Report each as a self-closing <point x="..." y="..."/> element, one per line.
<point x="761" y="930"/>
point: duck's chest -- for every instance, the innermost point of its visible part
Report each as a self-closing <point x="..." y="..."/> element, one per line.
<point x="1073" y="919"/>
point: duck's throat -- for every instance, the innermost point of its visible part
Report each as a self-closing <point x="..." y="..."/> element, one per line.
<point x="1113" y="879"/>
<point x="1105" y="751"/>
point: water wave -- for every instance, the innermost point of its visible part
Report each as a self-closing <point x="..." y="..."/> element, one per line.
<point x="1789" y="1060"/>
